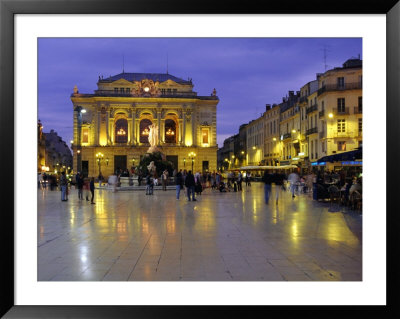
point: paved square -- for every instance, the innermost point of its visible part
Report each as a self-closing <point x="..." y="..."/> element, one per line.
<point x="130" y="236"/>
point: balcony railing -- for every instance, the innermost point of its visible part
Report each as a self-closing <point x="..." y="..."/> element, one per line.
<point x="287" y="135"/>
<point x="340" y="87"/>
<point x="312" y="131"/>
<point x="348" y="134"/>
<point x="312" y="108"/>
<point x="321" y="113"/>
<point x="341" y="111"/>
<point x="357" y="110"/>
<point x="303" y="99"/>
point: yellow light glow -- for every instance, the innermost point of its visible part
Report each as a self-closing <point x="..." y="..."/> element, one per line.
<point x="146" y="89"/>
<point x="293" y="131"/>
<point x="121" y="132"/>
<point x="146" y="132"/>
<point x="330" y="115"/>
<point x="274" y="139"/>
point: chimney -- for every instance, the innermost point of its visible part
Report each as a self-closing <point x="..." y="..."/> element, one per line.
<point x="267" y="107"/>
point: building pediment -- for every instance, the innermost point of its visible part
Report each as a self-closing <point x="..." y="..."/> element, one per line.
<point x="121" y="82"/>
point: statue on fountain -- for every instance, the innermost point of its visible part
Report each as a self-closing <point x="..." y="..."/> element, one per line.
<point x="153" y="138"/>
<point x="152" y="168"/>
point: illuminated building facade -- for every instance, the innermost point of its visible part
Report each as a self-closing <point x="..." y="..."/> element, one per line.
<point x="289" y="128"/>
<point x="111" y="126"/>
<point x="272" y="145"/>
<point x="255" y="141"/>
<point x="339" y="100"/>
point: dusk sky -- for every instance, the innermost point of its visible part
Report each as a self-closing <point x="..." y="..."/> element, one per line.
<point x="246" y="72"/>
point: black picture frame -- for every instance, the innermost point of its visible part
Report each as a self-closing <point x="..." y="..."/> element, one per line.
<point x="8" y="10"/>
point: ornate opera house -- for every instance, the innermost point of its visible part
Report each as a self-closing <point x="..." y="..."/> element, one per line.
<point x="112" y="125"/>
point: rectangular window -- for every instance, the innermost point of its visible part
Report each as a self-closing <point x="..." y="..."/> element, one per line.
<point x="322" y="105"/>
<point x="341" y="146"/>
<point x="122" y="90"/>
<point x="360" y="103"/>
<point x="116" y="90"/>
<point x="340" y="82"/>
<point x="360" y="125"/>
<point x="341" y="126"/>
<point x="85" y="135"/>
<point x="127" y="90"/>
<point x="312" y="148"/>
<point x="204" y="135"/>
<point x="175" y="91"/>
<point x="341" y="107"/>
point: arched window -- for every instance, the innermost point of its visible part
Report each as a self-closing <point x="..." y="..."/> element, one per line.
<point x="121" y="131"/>
<point x="170" y="131"/>
<point x="144" y="130"/>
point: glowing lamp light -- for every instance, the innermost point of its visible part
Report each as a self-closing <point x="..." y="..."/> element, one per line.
<point x="274" y="139"/>
<point x="330" y="115"/>
<point x="83" y="111"/>
<point x="146" y="132"/>
<point x="170" y="132"/>
<point x="293" y="131"/>
<point x="121" y="132"/>
<point x="146" y="89"/>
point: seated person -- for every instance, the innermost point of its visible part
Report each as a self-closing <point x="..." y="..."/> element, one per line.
<point x="222" y="187"/>
<point x="355" y="187"/>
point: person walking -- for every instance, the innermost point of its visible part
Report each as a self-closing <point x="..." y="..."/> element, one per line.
<point x="79" y="184"/>
<point x="248" y="179"/>
<point x="190" y="183"/>
<point x="44" y="180"/>
<point x="178" y="183"/>
<point x="278" y="179"/>
<point x="92" y="190"/>
<point x="267" y="179"/>
<point x="101" y="178"/>
<point x="164" y="179"/>
<point x="63" y="186"/>
<point x="40" y="180"/>
<point x="86" y="187"/>
<point x="293" y="179"/>
<point x="239" y="181"/>
<point x="149" y="185"/>
<point x="217" y="179"/>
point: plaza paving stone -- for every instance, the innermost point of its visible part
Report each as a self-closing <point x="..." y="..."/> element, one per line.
<point x="234" y="236"/>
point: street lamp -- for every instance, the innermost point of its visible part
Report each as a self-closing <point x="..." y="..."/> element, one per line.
<point x="99" y="157"/>
<point x="192" y="155"/>
<point x="184" y="162"/>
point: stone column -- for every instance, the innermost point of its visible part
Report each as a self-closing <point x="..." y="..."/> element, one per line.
<point x="108" y="128"/>
<point x="163" y="130"/>
<point x="194" y="137"/>
<point x="133" y="127"/>
<point x="184" y="127"/>
<point x="98" y="127"/>
<point x="180" y="130"/>
<point x="159" y="126"/>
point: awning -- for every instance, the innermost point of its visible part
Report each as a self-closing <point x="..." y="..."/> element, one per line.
<point x="345" y="156"/>
<point x="261" y="168"/>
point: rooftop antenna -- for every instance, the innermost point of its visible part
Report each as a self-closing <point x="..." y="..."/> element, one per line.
<point x="123" y="64"/>
<point x="167" y="62"/>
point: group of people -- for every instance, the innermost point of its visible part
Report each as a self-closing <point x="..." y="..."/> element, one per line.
<point x="84" y="184"/>
<point x="278" y="179"/>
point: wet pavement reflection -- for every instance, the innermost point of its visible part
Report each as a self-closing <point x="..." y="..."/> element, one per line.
<point x="234" y="236"/>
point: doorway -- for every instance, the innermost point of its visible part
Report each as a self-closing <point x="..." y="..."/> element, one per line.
<point x="120" y="162"/>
